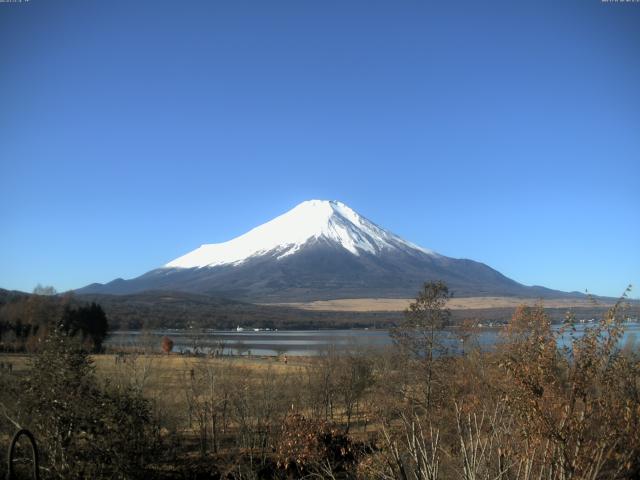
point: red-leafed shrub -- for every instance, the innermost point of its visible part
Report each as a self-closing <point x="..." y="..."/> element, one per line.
<point x="308" y="446"/>
<point x="167" y="345"/>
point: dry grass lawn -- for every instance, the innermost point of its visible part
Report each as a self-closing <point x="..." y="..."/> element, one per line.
<point x="164" y="378"/>
<point x="399" y="304"/>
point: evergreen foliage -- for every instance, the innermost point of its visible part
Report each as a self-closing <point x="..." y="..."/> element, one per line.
<point x="88" y="321"/>
<point x="25" y="321"/>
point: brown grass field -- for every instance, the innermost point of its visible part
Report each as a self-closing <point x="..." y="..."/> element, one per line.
<point x="399" y="304"/>
<point x="158" y="374"/>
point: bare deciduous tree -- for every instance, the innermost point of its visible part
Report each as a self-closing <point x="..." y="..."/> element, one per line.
<point x="417" y="334"/>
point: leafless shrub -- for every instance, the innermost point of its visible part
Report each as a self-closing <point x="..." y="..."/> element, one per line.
<point x="413" y="455"/>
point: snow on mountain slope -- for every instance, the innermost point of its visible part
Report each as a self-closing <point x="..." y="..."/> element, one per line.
<point x="311" y="220"/>
<point x="319" y="250"/>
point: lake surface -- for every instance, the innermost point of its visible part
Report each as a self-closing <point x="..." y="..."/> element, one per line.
<point x="309" y="342"/>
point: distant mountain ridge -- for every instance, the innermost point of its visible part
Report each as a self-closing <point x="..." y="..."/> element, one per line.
<point x="320" y="250"/>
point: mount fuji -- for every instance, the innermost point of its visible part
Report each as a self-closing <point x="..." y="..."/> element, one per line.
<point x="319" y="250"/>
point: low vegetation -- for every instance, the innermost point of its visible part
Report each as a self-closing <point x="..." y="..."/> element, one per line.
<point x="532" y="409"/>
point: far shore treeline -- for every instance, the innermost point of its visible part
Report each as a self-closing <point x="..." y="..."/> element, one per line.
<point x="25" y="318"/>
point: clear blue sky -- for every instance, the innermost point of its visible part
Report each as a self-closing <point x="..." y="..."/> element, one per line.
<point x="504" y="131"/>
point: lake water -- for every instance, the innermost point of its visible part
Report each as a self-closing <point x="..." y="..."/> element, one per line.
<point x="307" y="342"/>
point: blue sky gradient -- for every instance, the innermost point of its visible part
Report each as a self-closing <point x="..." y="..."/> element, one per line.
<point x="506" y="132"/>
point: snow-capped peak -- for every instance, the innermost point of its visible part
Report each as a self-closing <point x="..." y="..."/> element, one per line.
<point x="285" y="235"/>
